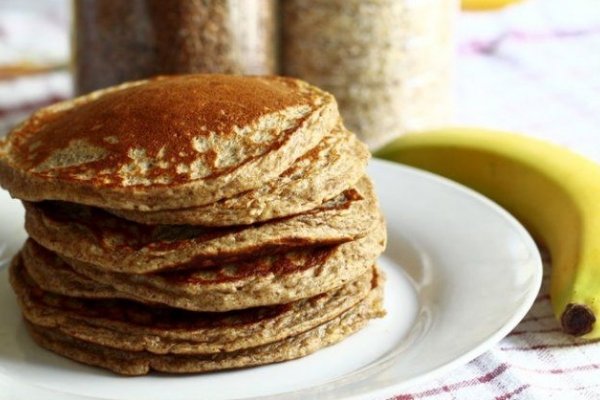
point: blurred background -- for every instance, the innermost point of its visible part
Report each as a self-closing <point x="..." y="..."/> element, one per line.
<point x="532" y="67"/>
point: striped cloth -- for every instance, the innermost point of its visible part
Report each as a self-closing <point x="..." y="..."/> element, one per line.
<point x="20" y="96"/>
<point x="535" y="361"/>
<point x="533" y="68"/>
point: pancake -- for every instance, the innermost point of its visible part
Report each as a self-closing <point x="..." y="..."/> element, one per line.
<point x="142" y="362"/>
<point x="113" y="244"/>
<point x="331" y="167"/>
<point x="52" y="274"/>
<point x="133" y="326"/>
<point x="267" y="280"/>
<point x="165" y="143"/>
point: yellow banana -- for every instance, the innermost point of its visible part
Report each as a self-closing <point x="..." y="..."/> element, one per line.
<point x="555" y="193"/>
<point x="485" y="5"/>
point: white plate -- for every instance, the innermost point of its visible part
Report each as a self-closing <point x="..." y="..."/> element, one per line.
<point x="461" y="274"/>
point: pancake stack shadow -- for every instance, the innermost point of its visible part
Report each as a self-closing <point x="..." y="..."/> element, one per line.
<point x="193" y="223"/>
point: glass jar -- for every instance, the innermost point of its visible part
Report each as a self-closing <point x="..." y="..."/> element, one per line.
<point x="117" y="41"/>
<point x="388" y="62"/>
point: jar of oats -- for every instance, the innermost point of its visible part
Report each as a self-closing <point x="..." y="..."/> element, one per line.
<point x="388" y="62"/>
<point x="117" y="41"/>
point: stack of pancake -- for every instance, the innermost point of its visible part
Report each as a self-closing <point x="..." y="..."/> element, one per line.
<point x="193" y="223"/>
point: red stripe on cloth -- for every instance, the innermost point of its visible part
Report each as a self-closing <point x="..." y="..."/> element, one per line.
<point x="483" y="379"/>
<point x="493" y="374"/>
<point x="29" y="107"/>
<point x="486" y="378"/>
<point x="542" y="297"/>
<point x="548" y="346"/>
<point x="491" y="45"/>
<point x="579" y="368"/>
<point x="403" y="397"/>
<point x="535" y="331"/>
<point x="515" y="392"/>
<point x="564" y="389"/>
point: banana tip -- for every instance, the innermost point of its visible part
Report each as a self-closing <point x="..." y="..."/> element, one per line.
<point x="577" y="319"/>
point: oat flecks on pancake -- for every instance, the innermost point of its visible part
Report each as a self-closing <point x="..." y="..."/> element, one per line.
<point x="337" y="162"/>
<point x="166" y="143"/>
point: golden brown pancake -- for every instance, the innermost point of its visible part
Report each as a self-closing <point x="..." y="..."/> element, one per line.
<point x="328" y="169"/>
<point x="193" y="223"/>
<point x="133" y="326"/>
<point x="94" y="236"/>
<point x="266" y="280"/>
<point x="165" y="143"/>
<point x="141" y="362"/>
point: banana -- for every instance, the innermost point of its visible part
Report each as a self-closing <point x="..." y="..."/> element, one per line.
<point x="485" y="5"/>
<point x="555" y="193"/>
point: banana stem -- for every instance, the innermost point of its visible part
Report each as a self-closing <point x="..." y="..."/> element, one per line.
<point x="577" y="319"/>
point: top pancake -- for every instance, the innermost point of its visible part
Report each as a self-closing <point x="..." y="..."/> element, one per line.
<point x="166" y="143"/>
